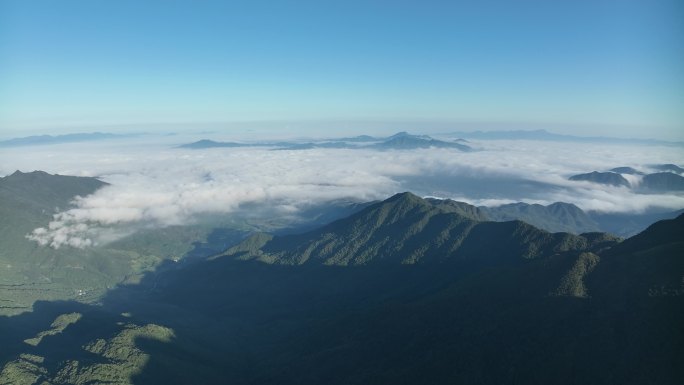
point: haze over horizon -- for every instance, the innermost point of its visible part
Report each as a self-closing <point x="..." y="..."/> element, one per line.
<point x="601" y="68"/>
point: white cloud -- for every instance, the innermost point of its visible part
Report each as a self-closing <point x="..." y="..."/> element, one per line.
<point x="634" y="180"/>
<point x="154" y="184"/>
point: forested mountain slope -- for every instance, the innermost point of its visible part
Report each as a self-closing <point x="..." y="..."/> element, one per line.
<point x="493" y="303"/>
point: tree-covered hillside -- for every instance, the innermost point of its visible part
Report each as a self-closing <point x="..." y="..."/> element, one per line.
<point x="30" y="272"/>
<point x="509" y="304"/>
<point x="407" y="229"/>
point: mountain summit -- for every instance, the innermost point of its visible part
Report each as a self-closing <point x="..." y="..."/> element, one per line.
<point x="404" y="140"/>
<point x="406" y="229"/>
<point x="407" y="290"/>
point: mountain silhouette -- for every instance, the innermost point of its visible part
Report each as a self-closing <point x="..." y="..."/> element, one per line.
<point x="608" y="178"/>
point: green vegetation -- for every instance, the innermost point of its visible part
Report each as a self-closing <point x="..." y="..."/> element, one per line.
<point x="556" y="217"/>
<point x="404" y="291"/>
<point x="29" y="272"/>
<point x="122" y="359"/>
<point x="572" y="284"/>
<point x="24" y="371"/>
<point x="114" y="360"/>
<point x="58" y="326"/>
<point x="409" y="230"/>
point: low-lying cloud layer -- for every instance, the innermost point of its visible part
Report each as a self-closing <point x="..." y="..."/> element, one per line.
<point x="155" y="184"/>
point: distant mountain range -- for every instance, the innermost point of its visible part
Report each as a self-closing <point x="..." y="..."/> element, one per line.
<point x="556" y="217"/>
<point x="561" y="217"/>
<point x="662" y="182"/>
<point x="669" y="168"/>
<point x="549" y="136"/>
<point x="407" y="141"/>
<point x="361" y="139"/>
<point x="609" y="178"/>
<point x="206" y="143"/>
<point x="406" y="290"/>
<point x="626" y="170"/>
<point x="399" y="141"/>
<point x="57" y="139"/>
<point x="670" y="178"/>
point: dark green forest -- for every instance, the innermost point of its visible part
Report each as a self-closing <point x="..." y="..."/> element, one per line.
<point x="402" y="291"/>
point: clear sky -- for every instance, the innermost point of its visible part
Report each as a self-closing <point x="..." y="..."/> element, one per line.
<point x="611" y="67"/>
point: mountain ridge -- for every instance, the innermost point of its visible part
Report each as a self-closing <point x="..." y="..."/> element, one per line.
<point x="583" y="315"/>
<point x="405" y="229"/>
<point x="58" y="139"/>
<point x="399" y="141"/>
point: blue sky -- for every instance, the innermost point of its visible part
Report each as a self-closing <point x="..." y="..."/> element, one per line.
<point x="588" y="67"/>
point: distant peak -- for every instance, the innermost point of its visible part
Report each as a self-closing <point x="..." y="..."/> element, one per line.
<point x="404" y="194"/>
<point x="404" y="134"/>
<point x="404" y="197"/>
<point x="31" y="173"/>
<point x="561" y="204"/>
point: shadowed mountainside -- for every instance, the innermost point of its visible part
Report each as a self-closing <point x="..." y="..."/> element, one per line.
<point x="555" y="217"/>
<point x="577" y="310"/>
<point x="662" y="182"/>
<point x="609" y="178"/>
<point x="406" y="229"/>
<point x="30" y="272"/>
<point x="667" y="180"/>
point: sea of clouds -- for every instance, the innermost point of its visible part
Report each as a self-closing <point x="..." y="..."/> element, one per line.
<point x="152" y="183"/>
